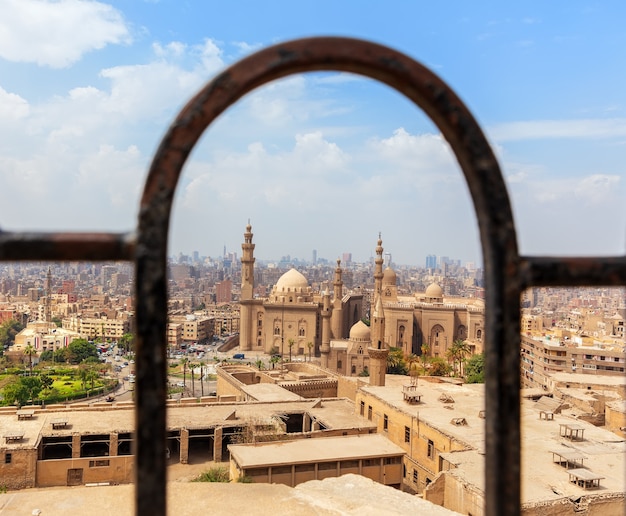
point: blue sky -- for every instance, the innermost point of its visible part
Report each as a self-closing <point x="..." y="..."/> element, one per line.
<point x="318" y="161"/>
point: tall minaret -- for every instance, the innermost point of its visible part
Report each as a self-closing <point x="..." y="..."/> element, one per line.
<point x="337" y="316"/>
<point x="247" y="291"/>
<point x="378" y="351"/>
<point x="378" y="269"/>
<point x="326" y="313"/>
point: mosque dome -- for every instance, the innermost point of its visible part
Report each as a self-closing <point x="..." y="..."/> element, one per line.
<point x="292" y="281"/>
<point x="389" y="277"/>
<point x="433" y="291"/>
<point x="360" y="332"/>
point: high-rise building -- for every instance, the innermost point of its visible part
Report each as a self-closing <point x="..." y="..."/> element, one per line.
<point x="314" y="257"/>
<point x="431" y="261"/>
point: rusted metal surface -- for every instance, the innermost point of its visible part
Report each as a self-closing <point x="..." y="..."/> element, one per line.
<point x="491" y="202"/>
<point x="575" y="272"/>
<point x="506" y="273"/>
<point x="66" y="246"/>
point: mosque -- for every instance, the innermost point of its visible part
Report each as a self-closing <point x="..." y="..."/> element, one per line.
<point x="296" y="321"/>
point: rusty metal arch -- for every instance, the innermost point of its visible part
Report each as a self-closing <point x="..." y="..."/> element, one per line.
<point x="488" y="191"/>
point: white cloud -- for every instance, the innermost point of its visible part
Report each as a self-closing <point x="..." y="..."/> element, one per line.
<point x="12" y="106"/>
<point x="57" y="33"/>
<point x="549" y="129"/>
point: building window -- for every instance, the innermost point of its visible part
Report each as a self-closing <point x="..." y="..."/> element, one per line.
<point x="385" y="422"/>
<point x="431" y="449"/>
<point x="407" y="434"/>
<point x="369" y="412"/>
<point x="362" y="411"/>
<point x="8" y="458"/>
<point x="415" y="476"/>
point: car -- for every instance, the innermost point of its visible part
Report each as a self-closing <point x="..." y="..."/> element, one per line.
<point x="239" y="356"/>
<point x="180" y="384"/>
<point x="110" y="398"/>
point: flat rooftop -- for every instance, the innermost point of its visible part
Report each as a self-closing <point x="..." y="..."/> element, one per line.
<point x="304" y="451"/>
<point x="104" y="418"/>
<point x="542" y="478"/>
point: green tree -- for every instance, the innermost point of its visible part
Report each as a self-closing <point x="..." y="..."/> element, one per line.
<point x="290" y="342"/>
<point x="396" y="364"/>
<point x="57" y="321"/>
<point x="60" y="355"/>
<point x="29" y="351"/>
<point x="8" y="330"/>
<point x="21" y="389"/>
<point x="15" y="393"/>
<point x="439" y="367"/>
<point x="127" y="342"/>
<point x="457" y="353"/>
<point x="425" y="355"/>
<point x="46" y="381"/>
<point x="88" y="374"/>
<point x="274" y="360"/>
<point x="192" y="368"/>
<point x="184" y="361"/>
<point x="259" y="364"/>
<point x="46" y="356"/>
<point x="475" y="369"/>
<point x="80" y="350"/>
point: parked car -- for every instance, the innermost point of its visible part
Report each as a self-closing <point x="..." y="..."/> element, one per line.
<point x="239" y="356"/>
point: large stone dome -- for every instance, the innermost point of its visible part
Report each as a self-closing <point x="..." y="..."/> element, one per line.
<point x="360" y="332"/>
<point x="434" y="291"/>
<point x="292" y="281"/>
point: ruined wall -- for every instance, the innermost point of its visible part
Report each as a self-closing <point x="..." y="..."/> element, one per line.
<point x="21" y="470"/>
<point x="114" y="470"/>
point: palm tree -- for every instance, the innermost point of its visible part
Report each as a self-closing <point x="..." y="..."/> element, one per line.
<point x="259" y="364"/>
<point x="30" y="351"/>
<point x="184" y="362"/>
<point x="291" y="342"/>
<point x="201" y="379"/>
<point x="457" y="353"/>
<point x="310" y="346"/>
<point x="425" y="351"/>
<point x="193" y="385"/>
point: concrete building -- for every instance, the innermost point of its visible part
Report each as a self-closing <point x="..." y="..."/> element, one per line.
<point x="294" y="462"/>
<point x="81" y="444"/>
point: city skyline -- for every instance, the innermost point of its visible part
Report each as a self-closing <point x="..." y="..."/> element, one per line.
<point x="321" y="161"/>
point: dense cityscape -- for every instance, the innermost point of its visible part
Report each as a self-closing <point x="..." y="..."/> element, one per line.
<point x="374" y="340"/>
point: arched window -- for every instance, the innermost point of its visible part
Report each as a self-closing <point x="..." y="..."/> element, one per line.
<point x="301" y="332"/>
<point x="353" y="370"/>
<point x="479" y="334"/>
<point x="360" y="350"/>
<point x="277" y="331"/>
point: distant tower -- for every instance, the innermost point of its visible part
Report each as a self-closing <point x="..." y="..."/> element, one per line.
<point x="247" y="291"/>
<point x="337" y="316"/>
<point x="48" y="312"/>
<point x="378" y="351"/>
<point x="314" y="256"/>
<point x="326" y="313"/>
<point x="378" y="268"/>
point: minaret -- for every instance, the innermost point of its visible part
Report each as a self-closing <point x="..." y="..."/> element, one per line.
<point x="337" y="315"/>
<point x="378" y="351"/>
<point x="247" y="291"/>
<point x="326" y="313"/>
<point x="378" y="269"/>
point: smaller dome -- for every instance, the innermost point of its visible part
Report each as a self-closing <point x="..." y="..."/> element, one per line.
<point x="434" y="290"/>
<point x="360" y="331"/>
<point x="389" y="277"/>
